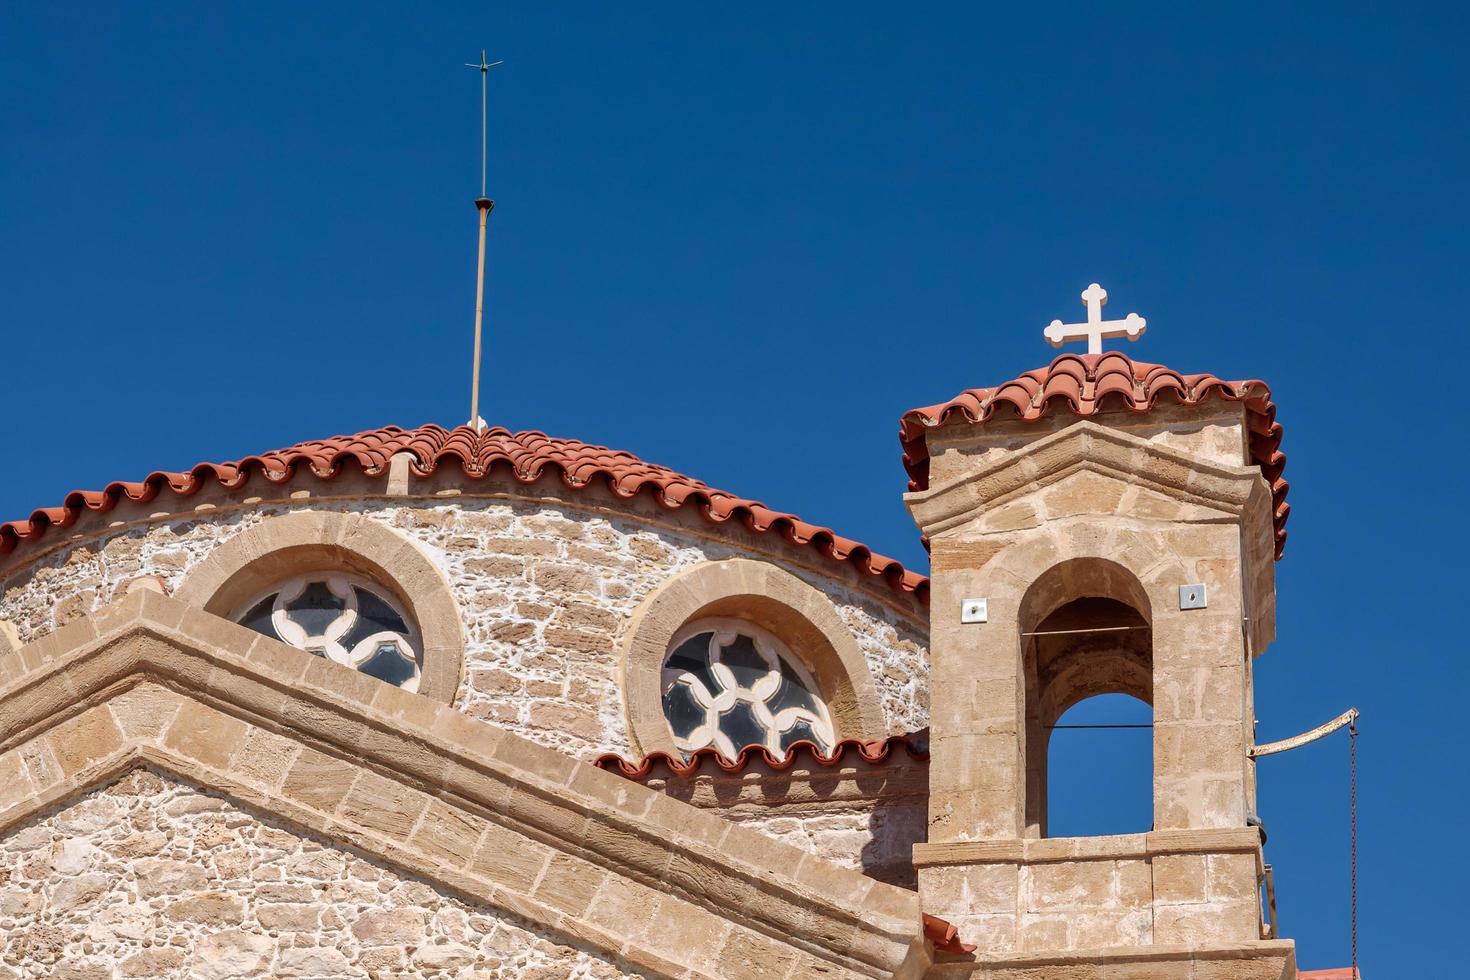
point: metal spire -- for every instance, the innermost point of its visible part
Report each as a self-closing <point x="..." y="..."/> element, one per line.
<point x="483" y="204"/>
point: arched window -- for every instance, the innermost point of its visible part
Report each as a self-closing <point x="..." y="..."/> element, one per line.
<point x="344" y="618"/>
<point x="1085" y="633"/>
<point x="727" y="684"/>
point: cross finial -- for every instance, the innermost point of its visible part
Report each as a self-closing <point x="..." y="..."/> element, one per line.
<point x="1096" y="328"/>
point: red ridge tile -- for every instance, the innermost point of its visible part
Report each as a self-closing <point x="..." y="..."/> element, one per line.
<point x="944" y="936"/>
<point x="876" y="752"/>
<point x="527" y="456"/>
<point x="1084" y="384"/>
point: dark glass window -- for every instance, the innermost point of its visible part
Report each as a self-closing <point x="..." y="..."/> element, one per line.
<point x="765" y="699"/>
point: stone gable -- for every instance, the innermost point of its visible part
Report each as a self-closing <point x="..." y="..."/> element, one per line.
<point x="153" y="877"/>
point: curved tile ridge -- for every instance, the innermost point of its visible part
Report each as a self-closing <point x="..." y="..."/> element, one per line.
<point x="1085" y="384"/>
<point x="847" y="751"/>
<point x="528" y="456"/>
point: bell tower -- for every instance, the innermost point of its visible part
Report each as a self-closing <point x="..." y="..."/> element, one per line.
<point x="1100" y="525"/>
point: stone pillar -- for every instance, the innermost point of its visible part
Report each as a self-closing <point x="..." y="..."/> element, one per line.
<point x="1202" y="733"/>
<point x="976" y="773"/>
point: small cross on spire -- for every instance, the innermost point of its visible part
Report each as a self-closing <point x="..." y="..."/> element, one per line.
<point x="1096" y="328"/>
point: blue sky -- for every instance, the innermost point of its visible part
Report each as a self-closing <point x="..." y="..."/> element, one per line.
<point x="740" y="241"/>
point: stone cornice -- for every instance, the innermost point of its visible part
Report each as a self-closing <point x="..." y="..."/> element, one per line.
<point x="422" y="786"/>
<point x="1086" y="446"/>
<point x="1106" y="848"/>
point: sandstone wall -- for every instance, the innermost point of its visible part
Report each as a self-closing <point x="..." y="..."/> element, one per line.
<point x="151" y="877"/>
<point x="875" y="839"/>
<point x="546" y="592"/>
<point x="860" y="815"/>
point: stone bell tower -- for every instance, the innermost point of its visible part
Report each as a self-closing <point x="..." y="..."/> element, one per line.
<point x="1098" y="526"/>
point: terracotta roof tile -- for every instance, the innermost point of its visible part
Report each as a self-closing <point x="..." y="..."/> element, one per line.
<point x="1085" y="384"/>
<point x="847" y="751"/>
<point x="944" y="936"/>
<point x="526" y="455"/>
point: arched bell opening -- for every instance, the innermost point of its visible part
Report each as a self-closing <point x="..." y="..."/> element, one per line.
<point x="1085" y="632"/>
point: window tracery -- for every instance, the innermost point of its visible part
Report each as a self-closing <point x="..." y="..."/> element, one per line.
<point x="345" y="619"/>
<point x="727" y="684"/>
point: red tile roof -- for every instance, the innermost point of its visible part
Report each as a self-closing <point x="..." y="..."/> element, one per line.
<point x="526" y="455"/>
<point x="849" y="750"/>
<point x="1085" y="384"/>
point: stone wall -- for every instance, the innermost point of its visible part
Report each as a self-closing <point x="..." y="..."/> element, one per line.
<point x="856" y="814"/>
<point x="546" y="592"/>
<point x="151" y="877"/>
<point x="877" y="840"/>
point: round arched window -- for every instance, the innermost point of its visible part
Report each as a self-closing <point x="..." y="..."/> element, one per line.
<point x="729" y="684"/>
<point x="343" y="618"/>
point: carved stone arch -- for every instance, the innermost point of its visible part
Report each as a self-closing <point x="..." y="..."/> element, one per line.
<point x="770" y="597"/>
<point x="287" y="545"/>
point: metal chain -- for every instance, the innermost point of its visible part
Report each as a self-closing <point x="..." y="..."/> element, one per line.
<point x="1353" y="835"/>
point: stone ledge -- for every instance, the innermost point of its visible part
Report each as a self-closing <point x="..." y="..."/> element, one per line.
<point x="1111" y="848"/>
<point x="1265" y="960"/>
<point x="392" y="755"/>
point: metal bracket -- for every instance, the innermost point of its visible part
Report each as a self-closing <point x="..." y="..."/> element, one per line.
<point x="1193" y="596"/>
<point x="975" y="611"/>
<point x="1305" y="738"/>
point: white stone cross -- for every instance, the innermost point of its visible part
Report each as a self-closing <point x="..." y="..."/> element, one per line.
<point x="1096" y="328"/>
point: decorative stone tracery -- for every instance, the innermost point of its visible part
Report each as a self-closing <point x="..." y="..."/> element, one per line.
<point x="281" y="552"/>
<point x="767" y="598"/>
<point x="345" y="619"/>
<point x="729" y="684"/>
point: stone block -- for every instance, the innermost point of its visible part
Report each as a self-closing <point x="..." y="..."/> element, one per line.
<point x="1179" y="879"/>
<point x="265" y="757"/>
<point x="1105" y="929"/>
<point x="528" y="757"/>
<point x="449" y="834"/>
<point x="145" y="711"/>
<point x="383" y="806"/>
<point x="396" y="927"/>
<point x="993" y="935"/>
<point x="1205" y="923"/>
<point x="1079" y="885"/>
<point x="1044" y="932"/>
<point x="154" y="962"/>
<point x="1135" y="884"/>
<point x="624" y="795"/>
<point x="161" y="876"/>
<point x="626" y="849"/>
<point x="15" y="782"/>
<point x="569" y="884"/>
<point x="750" y="954"/>
<point x="625" y="906"/>
<point x="289" y="916"/>
<point x="1233" y="877"/>
<point x="510" y="859"/>
<point x="210" y="909"/>
<point x="971" y="889"/>
<point x="205" y="735"/>
<point x="85" y="739"/>
<point x="318" y="780"/>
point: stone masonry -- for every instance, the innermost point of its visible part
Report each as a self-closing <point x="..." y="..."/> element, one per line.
<point x="545" y="592"/>
<point x="152" y="877"/>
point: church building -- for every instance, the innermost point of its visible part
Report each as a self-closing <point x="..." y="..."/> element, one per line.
<point x="476" y="703"/>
